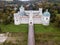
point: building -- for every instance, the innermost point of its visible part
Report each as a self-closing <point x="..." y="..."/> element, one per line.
<point x="31" y="17"/>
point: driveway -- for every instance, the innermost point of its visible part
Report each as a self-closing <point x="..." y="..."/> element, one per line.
<point x="31" y="40"/>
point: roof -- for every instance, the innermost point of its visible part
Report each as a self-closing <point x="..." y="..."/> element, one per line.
<point x="46" y="13"/>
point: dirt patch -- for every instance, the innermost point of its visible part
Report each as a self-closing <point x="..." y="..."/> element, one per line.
<point x="20" y="38"/>
<point x="16" y="39"/>
<point x="47" y="39"/>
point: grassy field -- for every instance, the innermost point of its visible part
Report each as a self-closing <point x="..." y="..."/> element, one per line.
<point x="44" y="35"/>
<point x="20" y="38"/>
<point x="24" y="28"/>
<point x="46" y="29"/>
<point x="17" y="38"/>
<point x="47" y="38"/>
<point x="14" y="28"/>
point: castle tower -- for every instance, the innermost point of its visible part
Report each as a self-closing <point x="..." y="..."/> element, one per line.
<point x="16" y="19"/>
<point x="46" y="17"/>
<point x="40" y="11"/>
<point x="22" y="11"/>
<point x="40" y="14"/>
<point x="21" y="8"/>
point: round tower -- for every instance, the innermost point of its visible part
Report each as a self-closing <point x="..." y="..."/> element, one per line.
<point x="46" y="17"/>
<point x="21" y="8"/>
<point x="22" y="11"/>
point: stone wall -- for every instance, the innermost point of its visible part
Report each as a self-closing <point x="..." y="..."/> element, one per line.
<point x="25" y="20"/>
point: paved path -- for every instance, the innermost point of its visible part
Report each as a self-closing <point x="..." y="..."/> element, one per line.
<point x="31" y="39"/>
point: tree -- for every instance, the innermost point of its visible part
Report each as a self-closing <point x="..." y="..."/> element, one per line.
<point x="57" y="21"/>
<point x="53" y="15"/>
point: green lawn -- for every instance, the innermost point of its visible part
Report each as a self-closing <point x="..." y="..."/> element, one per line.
<point x="14" y="28"/>
<point x="46" y="29"/>
<point x="24" y="28"/>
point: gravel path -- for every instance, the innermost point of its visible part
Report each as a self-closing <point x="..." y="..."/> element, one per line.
<point x="31" y="40"/>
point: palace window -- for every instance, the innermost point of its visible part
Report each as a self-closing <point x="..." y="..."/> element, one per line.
<point x="46" y="18"/>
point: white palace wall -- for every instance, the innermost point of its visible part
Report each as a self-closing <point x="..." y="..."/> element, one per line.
<point x="25" y="20"/>
<point x="18" y="19"/>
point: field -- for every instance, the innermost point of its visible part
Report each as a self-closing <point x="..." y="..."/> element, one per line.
<point x="24" y="28"/>
<point x="20" y="38"/>
<point x="14" y="28"/>
<point x="44" y="35"/>
<point x="46" y="29"/>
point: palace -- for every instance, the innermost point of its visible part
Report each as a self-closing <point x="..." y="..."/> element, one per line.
<point x="31" y="17"/>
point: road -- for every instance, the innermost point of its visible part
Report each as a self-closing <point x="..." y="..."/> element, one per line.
<point x="31" y="39"/>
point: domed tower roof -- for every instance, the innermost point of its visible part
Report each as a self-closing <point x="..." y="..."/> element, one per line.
<point x="22" y="12"/>
<point x="21" y="7"/>
<point x="46" y="13"/>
